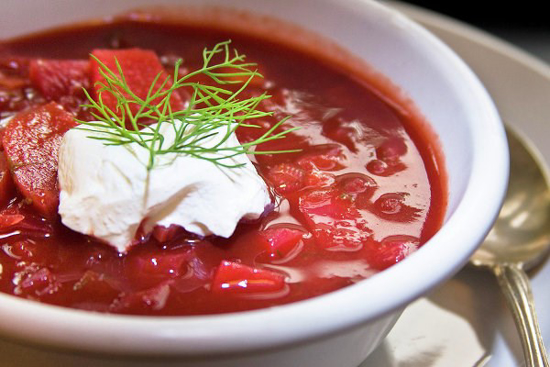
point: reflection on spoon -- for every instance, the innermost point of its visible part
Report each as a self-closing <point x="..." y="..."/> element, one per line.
<point x="519" y="241"/>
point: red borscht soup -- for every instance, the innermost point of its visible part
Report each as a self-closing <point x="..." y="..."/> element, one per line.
<point x="363" y="192"/>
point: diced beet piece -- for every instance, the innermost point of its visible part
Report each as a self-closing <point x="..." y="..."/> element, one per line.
<point x="6" y="182"/>
<point x="377" y="167"/>
<point x="392" y="149"/>
<point x="200" y="269"/>
<point x="392" y="206"/>
<point x="316" y="178"/>
<point x="147" y="268"/>
<point x="382" y="168"/>
<point x="139" y="67"/>
<point x="391" y="250"/>
<point x="31" y="143"/>
<point x="152" y="299"/>
<point x="12" y="82"/>
<point x="58" y="78"/>
<point x="97" y="284"/>
<point x="357" y="184"/>
<point x="161" y="264"/>
<point x="2" y="129"/>
<point x="325" y="158"/>
<point x="339" y="237"/>
<point x="164" y="234"/>
<point x="10" y="220"/>
<point x="333" y="219"/>
<point x="286" y="177"/>
<point x="26" y="250"/>
<point x="337" y="130"/>
<point x="14" y="71"/>
<point x="237" y="279"/>
<point x="22" y="218"/>
<point x="33" y="281"/>
<point x="32" y="225"/>
<point x="358" y="187"/>
<point x="281" y="240"/>
<point x="327" y="203"/>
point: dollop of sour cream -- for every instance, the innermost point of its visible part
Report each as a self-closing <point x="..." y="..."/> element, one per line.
<point x="108" y="193"/>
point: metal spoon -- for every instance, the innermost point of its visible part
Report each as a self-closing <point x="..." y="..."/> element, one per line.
<point x="519" y="241"/>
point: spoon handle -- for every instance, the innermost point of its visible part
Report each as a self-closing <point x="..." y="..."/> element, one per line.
<point x="515" y="285"/>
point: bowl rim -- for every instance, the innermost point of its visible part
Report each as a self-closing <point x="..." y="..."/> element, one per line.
<point x="200" y="335"/>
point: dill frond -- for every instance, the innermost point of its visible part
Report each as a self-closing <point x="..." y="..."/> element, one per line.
<point x="211" y="110"/>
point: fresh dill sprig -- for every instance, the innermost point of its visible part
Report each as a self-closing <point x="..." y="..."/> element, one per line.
<point x="211" y="110"/>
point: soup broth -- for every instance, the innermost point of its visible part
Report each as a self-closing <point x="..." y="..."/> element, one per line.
<point x="363" y="192"/>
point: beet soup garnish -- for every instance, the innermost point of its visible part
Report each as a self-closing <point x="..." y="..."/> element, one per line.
<point x="171" y="161"/>
<point x="125" y="108"/>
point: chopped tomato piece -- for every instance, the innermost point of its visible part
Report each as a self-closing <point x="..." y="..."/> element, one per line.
<point x="6" y="182"/>
<point x="140" y="68"/>
<point x="59" y="78"/>
<point x="235" y="278"/>
<point x="31" y="143"/>
<point x="281" y="240"/>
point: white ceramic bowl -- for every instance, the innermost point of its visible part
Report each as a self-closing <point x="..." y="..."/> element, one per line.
<point x="340" y="328"/>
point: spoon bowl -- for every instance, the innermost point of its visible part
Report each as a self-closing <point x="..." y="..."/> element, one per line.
<point x="520" y="240"/>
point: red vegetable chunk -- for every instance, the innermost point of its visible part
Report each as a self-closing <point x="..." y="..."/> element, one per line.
<point x="9" y="220"/>
<point x="36" y="282"/>
<point x="147" y="269"/>
<point x="281" y="241"/>
<point x="31" y="143"/>
<point x="96" y="283"/>
<point x="333" y="219"/>
<point x="146" y="300"/>
<point x="327" y="203"/>
<point x="59" y="78"/>
<point x="390" y="251"/>
<point x="140" y="68"/>
<point x="286" y="177"/>
<point x="6" y="182"/>
<point x="235" y="278"/>
<point x="164" y="234"/>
